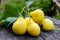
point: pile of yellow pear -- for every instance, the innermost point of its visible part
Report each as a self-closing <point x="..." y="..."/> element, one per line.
<point x="32" y="24"/>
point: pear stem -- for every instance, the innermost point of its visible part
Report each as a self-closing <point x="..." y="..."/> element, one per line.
<point x="22" y="11"/>
<point x="25" y="11"/>
<point x="28" y="14"/>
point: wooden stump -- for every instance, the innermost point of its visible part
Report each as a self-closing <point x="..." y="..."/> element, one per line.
<point x="52" y="35"/>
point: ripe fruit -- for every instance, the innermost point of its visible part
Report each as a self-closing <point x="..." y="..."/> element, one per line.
<point x="20" y="26"/>
<point x="47" y="25"/>
<point x="34" y="29"/>
<point x="37" y="15"/>
<point x="29" y="20"/>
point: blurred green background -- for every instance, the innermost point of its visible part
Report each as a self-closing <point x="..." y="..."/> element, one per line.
<point x="13" y="7"/>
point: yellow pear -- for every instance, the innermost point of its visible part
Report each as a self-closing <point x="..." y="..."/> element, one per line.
<point x="20" y="26"/>
<point x="34" y="29"/>
<point x="37" y="15"/>
<point x="47" y="25"/>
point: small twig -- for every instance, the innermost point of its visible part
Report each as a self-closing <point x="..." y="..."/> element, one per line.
<point x="56" y="29"/>
<point x="2" y="21"/>
<point x="22" y="11"/>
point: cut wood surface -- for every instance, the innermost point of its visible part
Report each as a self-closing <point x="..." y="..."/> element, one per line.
<point x="52" y="35"/>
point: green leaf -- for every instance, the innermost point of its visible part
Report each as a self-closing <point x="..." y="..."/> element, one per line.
<point x="9" y="21"/>
<point x="10" y="11"/>
<point x="52" y="8"/>
<point x="19" y="4"/>
<point x="0" y="15"/>
<point x="28" y="3"/>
